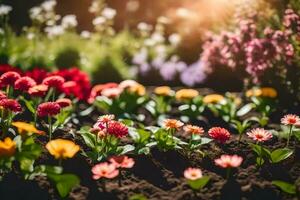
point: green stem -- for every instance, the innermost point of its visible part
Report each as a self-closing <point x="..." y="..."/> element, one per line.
<point x="50" y="127"/>
<point x="7" y="91"/>
<point x="228" y="171"/>
<point x="260" y="157"/>
<point x="289" y="135"/>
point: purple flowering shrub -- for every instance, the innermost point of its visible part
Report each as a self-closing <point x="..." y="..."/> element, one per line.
<point x="259" y="55"/>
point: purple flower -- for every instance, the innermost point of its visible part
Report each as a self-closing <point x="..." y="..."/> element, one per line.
<point x="194" y="74"/>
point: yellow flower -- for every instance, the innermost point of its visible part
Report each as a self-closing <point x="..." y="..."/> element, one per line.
<point x="262" y="92"/>
<point x="213" y="98"/>
<point x="163" y="91"/>
<point x="61" y="148"/>
<point x="138" y="89"/>
<point x="186" y="94"/>
<point x="7" y="147"/>
<point x="26" y="128"/>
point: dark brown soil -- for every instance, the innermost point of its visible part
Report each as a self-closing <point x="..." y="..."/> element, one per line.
<point x="159" y="176"/>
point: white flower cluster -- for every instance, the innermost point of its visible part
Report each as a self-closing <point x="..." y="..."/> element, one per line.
<point x="5" y="9"/>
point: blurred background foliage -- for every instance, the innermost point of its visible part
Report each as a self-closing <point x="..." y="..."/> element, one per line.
<point x="111" y="50"/>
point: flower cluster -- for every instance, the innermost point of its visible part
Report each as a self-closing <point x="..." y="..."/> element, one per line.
<point x="246" y="50"/>
<point x="106" y="125"/>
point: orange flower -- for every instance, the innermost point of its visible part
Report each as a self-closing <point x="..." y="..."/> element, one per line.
<point x="262" y="92"/>
<point x="26" y="128"/>
<point x="138" y="89"/>
<point x="190" y="129"/>
<point x="186" y="94"/>
<point x="7" y="147"/>
<point x="60" y="148"/>
<point x="213" y="98"/>
<point x="163" y="91"/>
<point x="172" y="124"/>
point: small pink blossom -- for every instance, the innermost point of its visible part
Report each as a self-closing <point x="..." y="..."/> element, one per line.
<point x="122" y="161"/>
<point x="291" y="120"/>
<point x="192" y="173"/>
<point x="227" y="161"/>
<point x="104" y="170"/>
<point x="260" y="134"/>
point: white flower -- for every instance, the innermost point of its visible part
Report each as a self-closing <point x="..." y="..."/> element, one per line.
<point x="132" y="6"/>
<point x="109" y="13"/>
<point x="69" y="21"/>
<point x="174" y="39"/>
<point x="48" y="5"/>
<point x="99" y="21"/>
<point x="35" y="13"/>
<point x="30" y="36"/>
<point x="85" y="34"/>
<point x="4" y="10"/>
<point x="140" y="57"/>
<point x="157" y="37"/>
<point x="94" y="7"/>
<point x="142" y="26"/>
<point x="53" y="31"/>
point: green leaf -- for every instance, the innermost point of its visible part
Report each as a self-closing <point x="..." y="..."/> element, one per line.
<point x="126" y="148"/>
<point x="281" y="154"/>
<point x="245" y="109"/>
<point x="89" y="138"/>
<point x="286" y="187"/>
<point x="64" y="182"/>
<point x="261" y="150"/>
<point x="144" y="150"/>
<point x="137" y="197"/>
<point x="199" y="183"/>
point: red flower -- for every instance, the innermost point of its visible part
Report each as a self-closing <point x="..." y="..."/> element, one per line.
<point x="37" y="74"/>
<point x="48" y="109"/>
<point x="2" y="95"/>
<point x="54" y="81"/>
<point x="24" y="83"/>
<point x="11" y="105"/>
<point x="219" y="134"/>
<point x="290" y="119"/>
<point x="117" y="129"/>
<point x="38" y="90"/>
<point x="97" y="90"/>
<point x="9" y="78"/>
<point x="8" y="68"/>
<point x="82" y="86"/>
<point x="64" y="102"/>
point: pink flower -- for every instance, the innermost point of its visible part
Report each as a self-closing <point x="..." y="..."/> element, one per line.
<point x="260" y="134"/>
<point x="9" y="78"/>
<point x="106" y="118"/>
<point x="38" y="90"/>
<point x="48" y="109"/>
<point x="227" y="161"/>
<point x="291" y="120"/>
<point x="104" y="170"/>
<point x="117" y="129"/>
<point x="24" y="83"/>
<point x="219" y="134"/>
<point x="196" y="130"/>
<point x="54" y="81"/>
<point x="122" y="161"/>
<point x="64" y="102"/>
<point x="192" y="173"/>
<point x="111" y="92"/>
<point x="97" y="90"/>
<point x="11" y="105"/>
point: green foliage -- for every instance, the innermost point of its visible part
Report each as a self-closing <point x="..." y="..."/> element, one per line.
<point x="199" y="183"/>
<point x="285" y="187"/>
<point x="64" y="182"/>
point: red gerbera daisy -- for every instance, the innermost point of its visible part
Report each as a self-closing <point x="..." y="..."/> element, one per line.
<point x="48" y="109"/>
<point x="37" y="74"/>
<point x="219" y="134"/>
<point x="38" y="90"/>
<point x="290" y="120"/>
<point x="64" y="102"/>
<point x="117" y="129"/>
<point x="9" y="78"/>
<point x="24" y="83"/>
<point x="11" y="105"/>
<point x="54" y="81"/>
